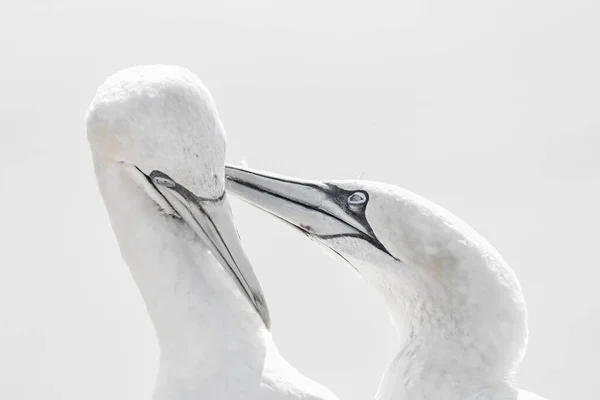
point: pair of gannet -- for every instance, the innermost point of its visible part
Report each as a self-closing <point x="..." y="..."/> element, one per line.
<point x="158" y="148"/>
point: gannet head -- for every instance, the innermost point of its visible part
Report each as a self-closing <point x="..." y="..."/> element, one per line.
<point x="160" y="124"/>
<point x="410" y="249"/>
<point x="356" y="219"/>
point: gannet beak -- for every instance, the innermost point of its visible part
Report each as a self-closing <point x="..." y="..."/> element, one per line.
<point x="318" y="209"/>
<point x="212" y="221"/>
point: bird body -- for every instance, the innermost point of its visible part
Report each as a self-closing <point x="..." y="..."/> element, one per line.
<point x="457" y="306"/>
<point x="158" y="148"/>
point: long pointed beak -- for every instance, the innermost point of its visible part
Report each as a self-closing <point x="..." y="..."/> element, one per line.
<point x="212" y="221"/>
<point x="318" y="209"/>
<point x="308" y="205"/>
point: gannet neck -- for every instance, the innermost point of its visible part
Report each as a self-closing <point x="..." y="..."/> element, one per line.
<point x="204" y="325"/>
<point x="456" y="304"/>
<point x="158" y="147"/>
<point x="462" y="328"/>
<point x="213" y="343"/>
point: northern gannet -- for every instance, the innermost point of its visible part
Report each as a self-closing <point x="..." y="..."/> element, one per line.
<point x="158" y="149"/>
<point x="456" y="304"/>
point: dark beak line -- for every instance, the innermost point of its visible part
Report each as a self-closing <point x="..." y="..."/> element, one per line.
<point x="299" y="203"/>
<point x="274" y="178"/>
<point x="259" y="189"/>
<point x="197" y="200"/>
<point x="370" y="239"/>
<point x="189" y="196"/>
<point x="158" y="193"/>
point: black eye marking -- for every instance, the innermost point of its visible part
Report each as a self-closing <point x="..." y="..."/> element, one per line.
<point x="352" y="202"/>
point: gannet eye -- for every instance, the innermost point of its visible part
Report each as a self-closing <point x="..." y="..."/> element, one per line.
<point x="357" y="198"/>
<point x="164" y="182"/>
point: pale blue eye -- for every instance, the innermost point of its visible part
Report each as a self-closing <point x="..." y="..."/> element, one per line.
<point x="357" y="198"/>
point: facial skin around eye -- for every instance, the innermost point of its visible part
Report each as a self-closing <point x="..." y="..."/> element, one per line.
<point x="357" y="198"/>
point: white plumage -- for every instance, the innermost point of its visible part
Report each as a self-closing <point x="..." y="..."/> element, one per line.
<point x="210" y="317"/>
<point x="456" y="304"/>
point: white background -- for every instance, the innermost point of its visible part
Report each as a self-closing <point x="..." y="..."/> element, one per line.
<point x="490" y="109"/>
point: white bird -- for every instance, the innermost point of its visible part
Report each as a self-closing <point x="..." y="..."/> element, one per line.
<point x="456" y="304"/>
<point x="158" y="148"/>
